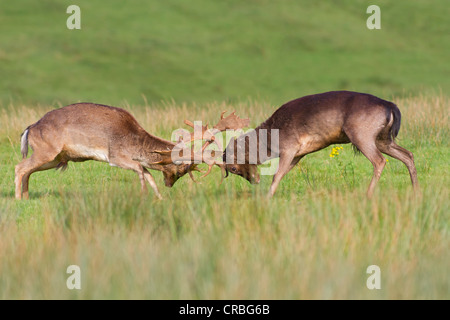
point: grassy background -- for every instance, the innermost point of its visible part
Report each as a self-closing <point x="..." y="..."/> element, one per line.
<point x="230" y="50"/>
<point x="172" y="60"/>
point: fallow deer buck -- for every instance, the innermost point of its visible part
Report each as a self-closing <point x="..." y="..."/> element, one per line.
<point x="86" y="131"/>
<point x="314" y="122"/>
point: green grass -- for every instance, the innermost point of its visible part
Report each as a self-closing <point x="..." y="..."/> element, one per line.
<point x="230" y="50"/>
<point x="314" y="239"/>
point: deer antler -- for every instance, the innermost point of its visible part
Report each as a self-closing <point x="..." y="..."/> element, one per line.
<point x="195" y="135"/>
<point x="231" y="122"/>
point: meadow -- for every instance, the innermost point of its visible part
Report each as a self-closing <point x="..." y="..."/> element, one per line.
<point x="314" y="239"/>
<point x="202" y="50"/>
<point x="166" y="61"/>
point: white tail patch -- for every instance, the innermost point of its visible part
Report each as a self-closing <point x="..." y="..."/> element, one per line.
<point x="24" y="144"/>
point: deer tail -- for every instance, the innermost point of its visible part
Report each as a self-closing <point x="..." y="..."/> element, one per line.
<point x="395" y="128"/>
<point x="24" y="143"/>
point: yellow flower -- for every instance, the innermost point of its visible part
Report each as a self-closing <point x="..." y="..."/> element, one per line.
<point x="335" y="151"/>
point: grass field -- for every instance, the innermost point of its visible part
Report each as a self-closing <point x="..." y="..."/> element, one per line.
<point x="166" y="61"/>
<point x="315" y="239"/>
<point x="202" y="50"/>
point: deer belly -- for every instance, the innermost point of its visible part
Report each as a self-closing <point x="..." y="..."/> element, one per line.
<point x="87" y="152"/>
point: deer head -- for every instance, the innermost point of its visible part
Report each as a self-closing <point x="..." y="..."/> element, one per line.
<point x="173" y="172"/>
<point x="181" y="153"/>
<point x="240" y="166"/>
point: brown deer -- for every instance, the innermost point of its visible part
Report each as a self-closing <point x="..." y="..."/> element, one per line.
<point x="314" y="122"/>
<point x="87" y="131"/>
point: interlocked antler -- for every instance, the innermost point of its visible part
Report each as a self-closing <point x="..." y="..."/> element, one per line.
<point x="232" y="122"/>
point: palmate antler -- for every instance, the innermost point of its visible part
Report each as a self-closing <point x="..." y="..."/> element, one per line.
<point x="187" y="155"/>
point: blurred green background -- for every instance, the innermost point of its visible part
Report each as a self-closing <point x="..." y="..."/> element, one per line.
<point x="229" y="50"/>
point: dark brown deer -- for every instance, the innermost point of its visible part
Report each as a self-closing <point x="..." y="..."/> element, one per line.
<point x="314" y="122"/>
<point x="86" y="131"/>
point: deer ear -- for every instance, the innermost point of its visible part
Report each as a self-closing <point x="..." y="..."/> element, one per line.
<point x="166" y="157"/>
<point x="162" y="152"/>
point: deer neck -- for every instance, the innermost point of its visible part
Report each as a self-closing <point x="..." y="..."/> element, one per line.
<point x="146" y="146"/>
<point x="259" y="141"/>
<point x="267" y="146"/>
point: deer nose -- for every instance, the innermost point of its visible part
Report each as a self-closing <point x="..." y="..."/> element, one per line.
<point x="255" y="179"/>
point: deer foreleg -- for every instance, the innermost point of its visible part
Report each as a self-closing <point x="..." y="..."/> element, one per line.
<point x="152" y="183"/>
<point x="287" y="162"/>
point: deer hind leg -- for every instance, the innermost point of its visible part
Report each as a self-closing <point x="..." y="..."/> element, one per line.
<point x="392" y="149"/>
<point x="27" y="167"/>
<point x="369" y="149"/>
